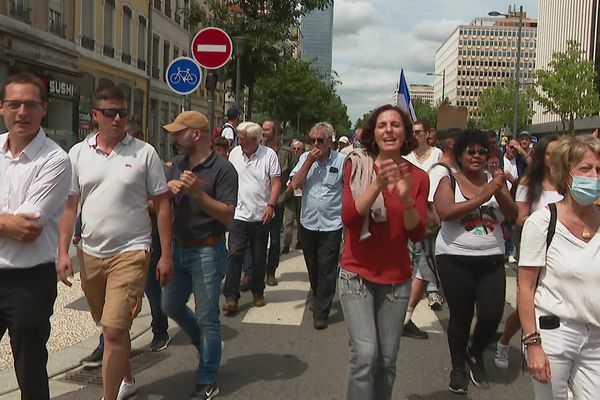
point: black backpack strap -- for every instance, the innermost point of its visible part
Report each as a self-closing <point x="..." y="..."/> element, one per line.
<point x="551" y="225"/>
<point x="452" y="182"/>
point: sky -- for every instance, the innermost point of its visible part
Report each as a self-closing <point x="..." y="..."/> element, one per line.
<point x="374" y="39"/>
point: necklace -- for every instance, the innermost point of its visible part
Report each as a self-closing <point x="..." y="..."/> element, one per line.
<point x="586" y="233"/>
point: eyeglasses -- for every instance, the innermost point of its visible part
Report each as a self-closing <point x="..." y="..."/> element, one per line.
<point x="481" y="151"/>
<point x="112" y="112"/>
<point x="14" y="105"/>
<point x="319" y="140"/>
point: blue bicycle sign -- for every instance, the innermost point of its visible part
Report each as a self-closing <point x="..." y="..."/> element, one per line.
<point x="183" y="75"/>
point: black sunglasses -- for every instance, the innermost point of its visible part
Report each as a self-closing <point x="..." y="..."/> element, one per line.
<point x="318" y="140"/>
<point x="482" y="151"/>
<point x="112" y="112"/>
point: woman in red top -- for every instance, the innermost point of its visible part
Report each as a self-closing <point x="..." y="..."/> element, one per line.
<point x="384" y="205"/>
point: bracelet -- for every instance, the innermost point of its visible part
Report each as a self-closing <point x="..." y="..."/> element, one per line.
<point x="531" y="335"/>
<point x="532" y="342"/>
<point x="271" y="205"/>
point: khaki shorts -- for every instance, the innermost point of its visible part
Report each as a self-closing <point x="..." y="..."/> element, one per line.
<point x="114" y="286"/>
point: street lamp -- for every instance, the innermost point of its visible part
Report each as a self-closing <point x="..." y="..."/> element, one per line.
<point x="443" y="75"/>
<point x="239" y="48"/>
<point x="518" y="66"/>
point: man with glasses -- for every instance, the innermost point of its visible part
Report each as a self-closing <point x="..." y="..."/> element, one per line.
<point x="259" y="188"/>
<point x="319" y="173"/>
<point x="35" y="175"/>
<point x="114" y="177"/>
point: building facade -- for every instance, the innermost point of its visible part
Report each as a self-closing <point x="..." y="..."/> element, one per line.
<point x="317" y="43"/>
<point x="560" y="21"/>
<point x="481" y="55"/>
<point x="423" y="92"/>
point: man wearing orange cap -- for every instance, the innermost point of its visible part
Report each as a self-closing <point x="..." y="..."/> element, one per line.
<point x="204" y="187"/>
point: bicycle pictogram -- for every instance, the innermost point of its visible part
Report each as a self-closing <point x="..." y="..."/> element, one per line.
<point x="183" y="76"/>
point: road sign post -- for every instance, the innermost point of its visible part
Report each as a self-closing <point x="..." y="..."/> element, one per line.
<point x="211" y="48"/>
<point x="183" y="75"/>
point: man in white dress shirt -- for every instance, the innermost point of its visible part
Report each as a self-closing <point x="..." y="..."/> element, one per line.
<point x="35" y="174"/>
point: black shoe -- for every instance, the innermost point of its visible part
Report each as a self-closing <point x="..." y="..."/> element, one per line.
<point x="477" y="372"/>
<point x="94" y="360"/>
<point x="285" y="250"/>
<point x="160" y="342"/>
<point x="459" y="381"/>
<point x="320" y="324"/>
<point x="205" y="392"/>
<point x="412" y="331"/>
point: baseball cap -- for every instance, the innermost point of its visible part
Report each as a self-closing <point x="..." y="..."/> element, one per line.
<point x="344" y="139"/>
<point x="523" y="133"/>
<point x="232" y="113"/>
<point x="188" y="120"/>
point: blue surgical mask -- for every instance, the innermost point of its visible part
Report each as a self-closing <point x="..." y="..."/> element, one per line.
<point x="585" y="189"/>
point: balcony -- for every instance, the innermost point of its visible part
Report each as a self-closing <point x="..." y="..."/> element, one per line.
<point x="58" y="29"/>
<point x="141" y="64"/>
<point x="108" y="51"/>
<point x="88" y="42"/>
<point x="126" y="58"/>
<point x="20" y="12"/>
<point x="55" y="24"/>
<point x="158" y="5"/>
<point x="155" y="73"/>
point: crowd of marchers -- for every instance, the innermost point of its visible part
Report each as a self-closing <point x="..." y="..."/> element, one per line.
<point x="400" y="213"/>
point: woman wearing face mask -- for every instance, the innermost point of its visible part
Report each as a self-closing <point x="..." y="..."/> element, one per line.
<point x="558" y="295"/>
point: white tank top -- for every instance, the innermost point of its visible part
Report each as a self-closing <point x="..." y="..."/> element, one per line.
<point x="476" y="234"/>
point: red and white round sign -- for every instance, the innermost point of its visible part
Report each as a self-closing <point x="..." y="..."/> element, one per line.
<point x="212" y="48"/>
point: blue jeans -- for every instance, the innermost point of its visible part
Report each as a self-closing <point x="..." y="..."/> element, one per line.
<point x="374" y="315"/>
<point x="198" y="270"/>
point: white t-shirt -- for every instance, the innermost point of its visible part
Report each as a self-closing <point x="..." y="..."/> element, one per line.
<point x="228" y="132"/>
<point x="254" y="177"/>
<point x="436" y="173"/>
<point x="434" y="157"/>
<point x="569" y="276"/>
<point x="547" y="197"/>
<point x="510" y="167"/>
<point x="114" y="191"/>
<point x="477" y="234"/>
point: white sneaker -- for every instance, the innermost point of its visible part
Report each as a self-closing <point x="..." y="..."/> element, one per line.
<point x="127" y="389"/>
<point x="512" y="260"/>
<point x="501" y="358"/>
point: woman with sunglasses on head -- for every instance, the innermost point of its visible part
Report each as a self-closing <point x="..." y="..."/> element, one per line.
<point x="470" y="254"/>
<point x="535" y="190"/>
<point x="558" y="295"/>
<point x="383" y="206"/>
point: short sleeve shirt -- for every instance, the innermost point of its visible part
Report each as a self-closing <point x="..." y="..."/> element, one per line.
<point x="219" y="180"/>
<point x="114" y="190"/>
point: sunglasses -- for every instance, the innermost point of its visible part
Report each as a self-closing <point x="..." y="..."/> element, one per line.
<point x="482" y="151"/>
<point x="112" y="112"/>
<point x="318" y="140"/>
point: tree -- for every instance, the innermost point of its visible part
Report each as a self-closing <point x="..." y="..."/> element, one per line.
<point x="360" y="123"/>
<point x="425" y="110"/>
<point x="497" y="104"/>
<point x="266" y="27"/>
<point x="296" y="91"/>
<point x="568" y="87"/>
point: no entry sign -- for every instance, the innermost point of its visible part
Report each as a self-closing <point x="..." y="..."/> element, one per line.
<point x="212" y="48"/>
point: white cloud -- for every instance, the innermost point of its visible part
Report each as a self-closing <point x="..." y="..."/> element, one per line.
<point x="435" y="31"/>
<point x="351" y="17"/>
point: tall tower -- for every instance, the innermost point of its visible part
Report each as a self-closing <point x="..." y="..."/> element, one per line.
<point x="317" y="29"/>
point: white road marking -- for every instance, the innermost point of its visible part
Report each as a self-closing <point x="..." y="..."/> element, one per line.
<point x="212" y="48"/>
<point x="285" y="302"/>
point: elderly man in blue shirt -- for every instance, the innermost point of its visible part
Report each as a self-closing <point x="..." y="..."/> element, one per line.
<point x="319" y="173"/>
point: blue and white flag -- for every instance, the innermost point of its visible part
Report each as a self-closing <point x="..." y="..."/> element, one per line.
<point x="404" y="102"/>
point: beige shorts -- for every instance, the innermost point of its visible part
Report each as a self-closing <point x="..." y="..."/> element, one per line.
<point x="114" y="286"/>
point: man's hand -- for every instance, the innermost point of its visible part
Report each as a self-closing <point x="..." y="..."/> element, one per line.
<point x="313" y="155"/>
<point x="268" y="215"/>
<point x="190" y="182"/>
<point x="65" y="269"/>
<point x="164" y="270"/>
<point x="175" y="187"/>
<point x="21" y="227"/>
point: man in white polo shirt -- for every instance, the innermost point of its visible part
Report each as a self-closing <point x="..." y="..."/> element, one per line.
<point x="114" y="176"/>
<point x="35" y="175"/>
<point x="259" y="186"/>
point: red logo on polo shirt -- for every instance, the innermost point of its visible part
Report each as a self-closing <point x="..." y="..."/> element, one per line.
<point x="128" y="165"/>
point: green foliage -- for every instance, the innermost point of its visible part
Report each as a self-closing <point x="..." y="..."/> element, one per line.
<point x="360" y="123"/>
<point x="497" y="104"/>
<point x="568" y="88"/>
<point x="425" y="110"/>
<point x="264" y="24"/>
<point x="296" y="89"/>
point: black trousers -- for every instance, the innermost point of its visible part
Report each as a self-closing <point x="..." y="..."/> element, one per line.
<point x="241" y="235"/>
<point x="321" y="255"/>
<point x="26" y="302"/>
<point x="472" y="282"/>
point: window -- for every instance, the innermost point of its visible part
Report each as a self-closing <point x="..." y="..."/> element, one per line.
<point x="109" y="15"/>
<point x="175" y="52"/>
<point x="55" y="18"/>
<point x="155" y="46"/>
<point x="126" y="36"/>
<point x="168" y="8"/>
<point x="141" y="39"/>
<point x="158" y="5"/>
<point x="19" y="9"/>
<point x="166" y="56"/>
<point x="88" y="11"/>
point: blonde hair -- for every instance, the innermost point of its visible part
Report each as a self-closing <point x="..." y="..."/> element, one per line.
<point x="252" y="129"/>
<point x="568" y="152"/>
